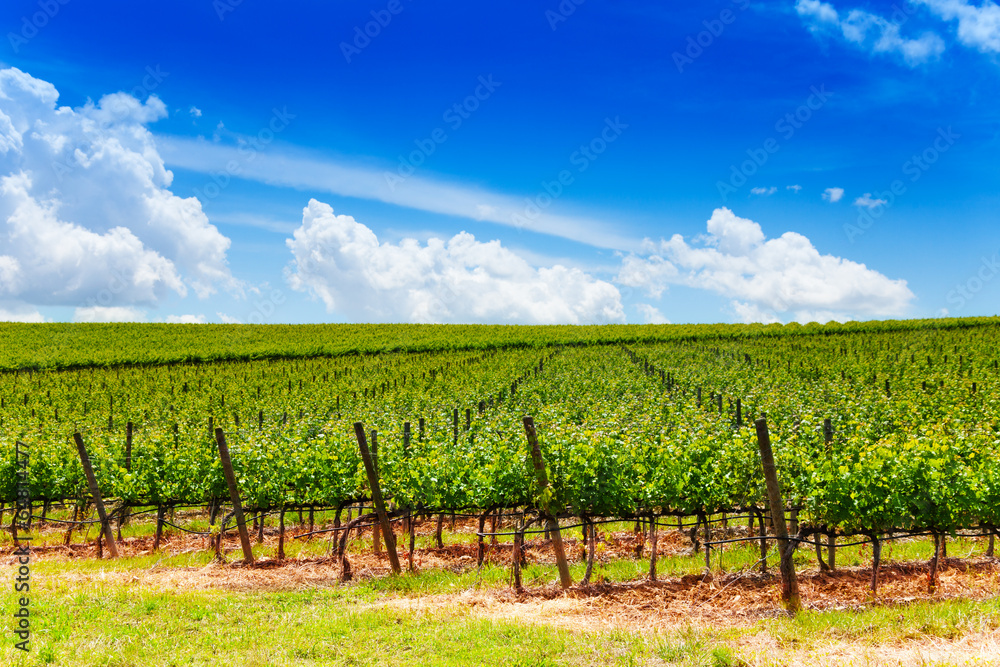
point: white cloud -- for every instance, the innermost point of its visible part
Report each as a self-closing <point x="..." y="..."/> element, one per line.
<point x="86" y="214"/>
<point x="833" y="195"/>
<point x="342" y="262"/>
<point x="978" y="27"/>
<point x="750" y="313"/>
<point x="871" y="32"/>
<point x="108" y="314"/>
<point x="796" y="188"/>
<point x="651" y="314"/>
<point x="226" y="319"/>
<point x="867" y="201"/>
<point x="186" y="319"/>
<point x="767" y="277"/>
<point x="19" y="313"/>
<point x="649" y="272"/>
<point x="766" y="192"/>
<point x="195" y="112"/>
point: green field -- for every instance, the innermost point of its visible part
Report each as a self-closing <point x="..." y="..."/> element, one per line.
<point x="646" y="424"/>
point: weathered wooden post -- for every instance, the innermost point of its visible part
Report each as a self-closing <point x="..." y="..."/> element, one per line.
<point x="95" y="492"/>
<point x="234" y="496"/>
<point x="366" y="458"/>
<point x="789" y="583"/>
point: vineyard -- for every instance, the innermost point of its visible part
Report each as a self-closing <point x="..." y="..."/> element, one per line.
<point x="879" y="430"/>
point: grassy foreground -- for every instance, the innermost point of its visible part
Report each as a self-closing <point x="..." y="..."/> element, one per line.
<point x="85" y="621"/>
<point x="108" y="613"/>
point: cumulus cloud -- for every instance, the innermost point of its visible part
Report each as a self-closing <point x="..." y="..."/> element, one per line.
<point x="651" y="314"/>
<point x="764" y="191"/>
<point x="19" y="313"/>
<point x="833" y="195"/>
<point x="750" y="313"/>
<point x="343" y="263"/>
<point x="978" y="27"/>
<point x="228" y="319"/>
<point x="108" y="314"/>
<point x="649" y="271"/>
<point x="867" y="201"/>
<point x="195" y="112"/>
<point x="871" y="32"/>
<point x="795" y="188"/>
<point x="186" y="319"/>
<point x="765" y="278"/>
<point x="87" y="217"/>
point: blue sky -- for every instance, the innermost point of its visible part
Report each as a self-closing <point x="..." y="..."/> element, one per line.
<point x="571" y="162"/>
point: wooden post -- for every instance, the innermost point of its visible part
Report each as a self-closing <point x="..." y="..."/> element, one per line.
<point x="96" y="493"/>
<point x="234" y="495"/>
<point x="161" y="513"/>
<point x="281" y="534"/>
<point x="516" y="554"/>
<point x="481" y="550"/>
<point x="455" y="426"/>
<point x="932" y="578"/>
<point x="376" y="529"/>
<point x="128" y="446"/>
<point x="591" y="547"/>
<point x="412" y="532"/>
<point x="739" y="413"/>
<point x="390" y="542"/>
<point x="831" y="539"/>
<point x="789" y="584"/>
<point x="543" y="484"/>
<point x="708" y="547"/>
<point x="652" y="556"/>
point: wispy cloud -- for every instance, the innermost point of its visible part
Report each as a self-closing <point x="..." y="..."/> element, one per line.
<point x="978" y="27"/>
<point x="296" y="168"/>
<point x="872" y="32"/>
<point x="867" y="201"/>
